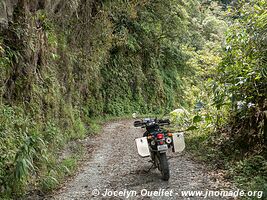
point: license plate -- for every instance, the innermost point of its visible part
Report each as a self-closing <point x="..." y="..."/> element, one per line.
<point x="162" y="147"/>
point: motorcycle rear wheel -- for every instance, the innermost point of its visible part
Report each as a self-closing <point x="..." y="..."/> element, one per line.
<point x="164" y="166"/>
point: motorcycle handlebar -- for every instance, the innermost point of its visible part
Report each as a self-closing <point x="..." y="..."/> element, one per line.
<point x="164" y="121"/>
<point x="159" y="122"/>
<point x="138" y="123"/>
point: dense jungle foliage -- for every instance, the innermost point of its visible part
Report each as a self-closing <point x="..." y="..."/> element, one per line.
<point x="64" y="64"/>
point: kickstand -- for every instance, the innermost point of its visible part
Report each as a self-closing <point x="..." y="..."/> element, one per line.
<point x="153" y="165"/>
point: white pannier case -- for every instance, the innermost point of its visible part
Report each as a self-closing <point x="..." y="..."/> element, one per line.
<point x="178" y="142"/>
<point x="142" y="146"/>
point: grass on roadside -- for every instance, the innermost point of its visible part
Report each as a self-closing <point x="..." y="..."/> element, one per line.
<point x="248" y="173"/>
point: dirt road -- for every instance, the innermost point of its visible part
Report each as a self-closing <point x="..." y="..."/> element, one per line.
<point x="115" y="166"/>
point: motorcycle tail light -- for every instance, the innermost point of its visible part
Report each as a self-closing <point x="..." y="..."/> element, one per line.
<point x="160" y="136"/>
<point x="161" y="142"/>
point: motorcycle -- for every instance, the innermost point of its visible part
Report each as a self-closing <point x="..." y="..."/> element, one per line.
<point x="156" y="141"/>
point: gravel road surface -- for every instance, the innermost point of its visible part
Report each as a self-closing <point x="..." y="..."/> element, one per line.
<point x="115" y="166"/>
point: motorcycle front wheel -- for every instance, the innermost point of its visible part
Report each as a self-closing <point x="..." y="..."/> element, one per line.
<point x="164" y="166"/>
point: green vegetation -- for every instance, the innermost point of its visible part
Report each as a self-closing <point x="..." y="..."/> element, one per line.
<point x="227" y="126"/>
<point x="65" y="66"/>
<point x="242" y="81"/>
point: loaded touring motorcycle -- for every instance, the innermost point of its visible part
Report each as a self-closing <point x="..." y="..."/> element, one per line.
<point x="156" y="141"/>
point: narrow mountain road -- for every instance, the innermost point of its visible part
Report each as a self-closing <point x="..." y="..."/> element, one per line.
<point x="115" y="166"/>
